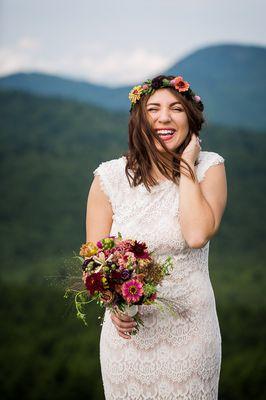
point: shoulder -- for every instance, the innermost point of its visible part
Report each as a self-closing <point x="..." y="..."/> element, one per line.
<point x="110" y="174"/>
<point x="207" y="159"/>
<point x="110" y="165"/>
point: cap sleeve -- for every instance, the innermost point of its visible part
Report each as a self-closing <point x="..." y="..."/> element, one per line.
<point x="109" y="172"/>
<point x="206" y="160"/>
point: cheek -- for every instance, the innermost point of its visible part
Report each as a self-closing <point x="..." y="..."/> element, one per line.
<point x="183" y="121"/>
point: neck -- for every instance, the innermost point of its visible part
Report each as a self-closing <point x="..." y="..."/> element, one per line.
<point x="156" y="174"/>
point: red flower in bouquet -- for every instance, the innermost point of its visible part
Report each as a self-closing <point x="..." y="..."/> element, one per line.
<point x="140" y="250"/>
<point x="132" y="291"/>
<point x="153" y="297"/>
<point x="94" y="283"/>
<point x="115" y="275"/>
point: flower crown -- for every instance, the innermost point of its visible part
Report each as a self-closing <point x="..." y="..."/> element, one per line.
<point x="150" y="85"/>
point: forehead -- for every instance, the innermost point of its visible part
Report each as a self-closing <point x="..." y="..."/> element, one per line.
<point x="162" y="96"/>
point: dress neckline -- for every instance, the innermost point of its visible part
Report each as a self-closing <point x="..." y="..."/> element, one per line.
<point x="160" y="185"/>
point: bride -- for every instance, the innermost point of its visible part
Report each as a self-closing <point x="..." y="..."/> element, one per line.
<point x="171" y="194"/>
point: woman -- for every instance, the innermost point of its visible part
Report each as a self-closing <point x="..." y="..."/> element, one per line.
<point x="167" y="192"/>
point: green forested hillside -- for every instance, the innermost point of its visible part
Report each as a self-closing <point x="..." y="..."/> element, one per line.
<point x="48" y="150"/>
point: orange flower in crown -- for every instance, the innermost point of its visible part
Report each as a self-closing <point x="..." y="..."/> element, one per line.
<point x="179" y="84"/>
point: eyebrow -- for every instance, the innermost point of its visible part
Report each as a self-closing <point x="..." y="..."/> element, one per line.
<point x="158" y="104"/>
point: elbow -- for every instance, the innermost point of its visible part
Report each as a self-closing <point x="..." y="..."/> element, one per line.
<point x="197" y="242"/>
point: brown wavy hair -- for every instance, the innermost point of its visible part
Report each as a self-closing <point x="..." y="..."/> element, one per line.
<point x="142" y="151"/>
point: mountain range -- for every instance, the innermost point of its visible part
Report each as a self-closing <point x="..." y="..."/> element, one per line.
<point x="230" y="78"/>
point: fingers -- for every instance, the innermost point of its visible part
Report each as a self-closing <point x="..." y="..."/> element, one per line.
<point x="122" y="316"/>
<point x="197" y="140"/>
<point x="195" y="137"/>
<point x="123" y="326"/>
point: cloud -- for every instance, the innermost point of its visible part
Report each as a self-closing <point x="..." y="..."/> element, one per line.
<point x="122" y="66"/>
<point x="28" y="43"/>
<point x="20" y="56"/>
<point x="12" y="61"/>
<point x="90" y="62"/>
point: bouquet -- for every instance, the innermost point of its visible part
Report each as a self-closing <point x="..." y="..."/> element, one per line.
<point x="119" y="275"/>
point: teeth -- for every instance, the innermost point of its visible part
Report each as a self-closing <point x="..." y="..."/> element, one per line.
<point x="165" y="132"/>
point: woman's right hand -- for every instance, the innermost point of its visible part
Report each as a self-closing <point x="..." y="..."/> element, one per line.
<point x="123" y="323"/>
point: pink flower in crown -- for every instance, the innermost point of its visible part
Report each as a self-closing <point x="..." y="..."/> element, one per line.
<point x="145" y="86"/>
<point x="132" y="291"/>
<point x="197" y="98"/>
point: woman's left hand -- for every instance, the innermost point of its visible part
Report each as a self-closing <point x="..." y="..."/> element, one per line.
<point x="191" y="152"/>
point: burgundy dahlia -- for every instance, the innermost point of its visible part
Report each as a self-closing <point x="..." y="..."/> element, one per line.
<point x="138" y="248"/>
<point x="115" y="275"/>
<point x="94" y="283"/>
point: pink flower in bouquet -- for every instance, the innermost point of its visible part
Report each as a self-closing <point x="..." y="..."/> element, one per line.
<point x="99" y="244"/>
<point x="122" y="262"/>
<point x="132" y="291"/>
<point x="130" y="254"/>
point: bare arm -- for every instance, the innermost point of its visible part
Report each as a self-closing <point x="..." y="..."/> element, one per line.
<point x="99" y="213"/>
<point x="202" y="205"/>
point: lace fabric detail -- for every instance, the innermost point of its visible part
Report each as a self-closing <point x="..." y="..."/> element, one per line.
<point x="206" y="160"/>
<point x="177" y="354"/>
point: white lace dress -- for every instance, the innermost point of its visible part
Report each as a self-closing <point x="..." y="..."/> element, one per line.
<point x="173" y="356"/>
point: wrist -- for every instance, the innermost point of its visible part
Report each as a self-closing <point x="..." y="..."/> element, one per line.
<point x="191" y="163"/>
<point x="185" y="173"/>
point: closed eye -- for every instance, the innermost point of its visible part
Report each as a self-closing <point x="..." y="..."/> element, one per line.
<point x="174" y="109"/>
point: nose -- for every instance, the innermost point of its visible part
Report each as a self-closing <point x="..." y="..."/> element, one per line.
<point x="164" y="115"/>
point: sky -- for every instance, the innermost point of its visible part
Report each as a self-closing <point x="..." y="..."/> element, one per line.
<point x="119" y="42"/>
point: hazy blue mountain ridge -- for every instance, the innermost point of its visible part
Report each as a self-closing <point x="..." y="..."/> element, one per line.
<point x="229" y="78"/>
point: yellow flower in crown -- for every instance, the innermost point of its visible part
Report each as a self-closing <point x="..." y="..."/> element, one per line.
<point x="135" y="93"/>
<point x="88" y="249"/>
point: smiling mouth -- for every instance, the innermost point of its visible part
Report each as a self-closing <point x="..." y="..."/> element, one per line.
<point x="165" y="134"/>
